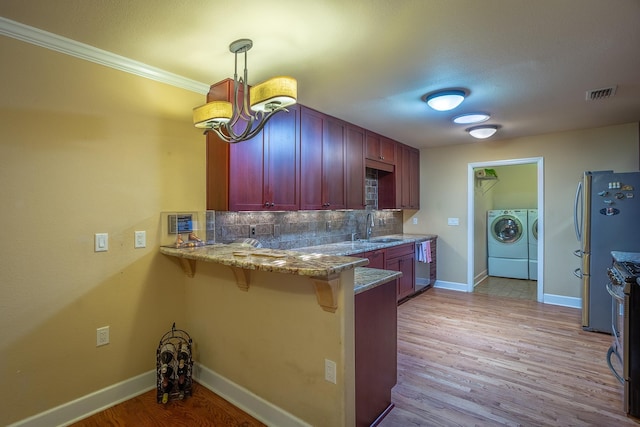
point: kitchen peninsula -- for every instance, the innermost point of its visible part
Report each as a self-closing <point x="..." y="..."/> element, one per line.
<point x="269" y="321"/>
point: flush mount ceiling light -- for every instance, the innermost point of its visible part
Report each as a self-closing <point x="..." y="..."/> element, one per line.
<point x="483" y="131"/>
<point x="471" y="118"/>
<point x="254" y="106"/>
<point x="445" y="100"/>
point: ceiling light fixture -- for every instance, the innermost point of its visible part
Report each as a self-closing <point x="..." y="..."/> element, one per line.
<point x="445" y="100"/>
<point x="255" y="106"/>
<point x="483" y="131"/>
<point x="471" y="118"/>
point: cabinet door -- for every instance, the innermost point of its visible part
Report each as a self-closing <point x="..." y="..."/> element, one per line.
<point x="282" y="160"/>
<point x="333" y="161"/>
<point x="247" y="175"/>
<point x="406" y="285"/>
<point x="388" y="150"/>
<point x="354" y="167"/>
<point x="414" y="179"/>
<point x="373" y="146"/>
<point x="311" y="143"/>
<point x="376" y="259"/>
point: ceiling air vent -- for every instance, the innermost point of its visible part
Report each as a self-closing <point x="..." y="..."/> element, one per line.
<point x="602" y="93"/>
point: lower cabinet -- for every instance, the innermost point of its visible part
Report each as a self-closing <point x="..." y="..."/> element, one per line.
<point x="376" y="338"/>
<point x="376" y="259"/>
<point x="401" y="258"/>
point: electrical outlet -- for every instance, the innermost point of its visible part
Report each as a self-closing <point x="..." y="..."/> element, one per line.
<point x="330" y="371"/>
<point x="415" y="221"/>
<point x="328" y="225"/>
<point x="252" y="231"/>
<point x="102" y="336"/>
<point x="140" y="239"/>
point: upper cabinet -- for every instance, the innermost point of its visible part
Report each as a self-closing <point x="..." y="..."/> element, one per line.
<point x="259" y="174"/>
<point x="322" y="153"/>
<point x="307" y="160"/>
<point x="380" y="148"/>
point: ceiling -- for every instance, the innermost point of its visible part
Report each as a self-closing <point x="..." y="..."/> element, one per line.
<point x="528" y="63"/>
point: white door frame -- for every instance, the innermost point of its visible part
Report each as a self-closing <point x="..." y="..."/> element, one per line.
<point x="539" y="161"/>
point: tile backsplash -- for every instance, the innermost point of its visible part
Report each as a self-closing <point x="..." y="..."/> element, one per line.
<point x="287" y="230"/>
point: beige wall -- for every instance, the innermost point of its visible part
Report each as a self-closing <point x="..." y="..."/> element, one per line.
<point x="566" y="155"/>
<point x="273" y="340"/>
<point x="86" y="149"/>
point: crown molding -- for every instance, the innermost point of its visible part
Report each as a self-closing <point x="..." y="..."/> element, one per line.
<point x="67" y="46"/>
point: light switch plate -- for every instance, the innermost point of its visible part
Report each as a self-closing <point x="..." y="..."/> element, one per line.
<point x="140" y="239"/>
<point x="453" y="221"/>
<point x="102" y="242"/>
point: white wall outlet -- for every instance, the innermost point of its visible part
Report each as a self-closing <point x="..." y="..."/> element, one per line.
<point x="415" y="221"/>
<point x="453" y="221"/>
<point x="102" y="336"/>
<point x="102" y="242"/>
<point x="140" y="240"/>
<point x="330" y="371"/>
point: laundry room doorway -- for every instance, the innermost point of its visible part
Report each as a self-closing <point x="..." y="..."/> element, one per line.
<point x="485" y="193"/>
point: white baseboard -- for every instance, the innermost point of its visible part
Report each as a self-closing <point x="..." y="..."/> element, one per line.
<point x="454" y="286"/>
<point x="479" y="278"/>
<point x="83" y="407"/>
<point x="572" y="302"/>
<point x="242" y="398"/>
<point x="90" y="404"/>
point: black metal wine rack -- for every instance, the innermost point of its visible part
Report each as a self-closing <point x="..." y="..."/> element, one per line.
<point x="174" y="366"/>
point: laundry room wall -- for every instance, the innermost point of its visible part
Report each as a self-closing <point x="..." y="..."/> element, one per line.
<point x="517" y="187"/>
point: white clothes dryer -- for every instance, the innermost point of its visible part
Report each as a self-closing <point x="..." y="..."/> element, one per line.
<point x="533" y="243"/>
<point x="507" y="243"/>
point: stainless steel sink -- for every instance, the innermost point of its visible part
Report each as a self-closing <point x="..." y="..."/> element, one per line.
<point x="384" y="240"/>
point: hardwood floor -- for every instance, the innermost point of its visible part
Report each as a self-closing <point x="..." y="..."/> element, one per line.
<point x="204" y="408"/>
<point x="469" y="359"/>
<point x="464" y="359"/>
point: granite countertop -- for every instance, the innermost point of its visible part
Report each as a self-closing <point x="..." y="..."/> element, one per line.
<point x="272" y="260"/>
<point x="349" y="248"/>
<point x="369" y="278"/>
<point x="621" y="256"/>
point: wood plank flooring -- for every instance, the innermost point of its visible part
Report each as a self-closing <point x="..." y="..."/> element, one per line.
<point x="203" y="409"/>
<point x="469" y="359"/>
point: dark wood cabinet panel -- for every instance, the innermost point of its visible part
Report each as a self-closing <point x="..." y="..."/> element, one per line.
<point x="333" y="164"/>
<point x="401" y="189"/>
<point x="281" y="157"/>
<point x="376" y="259"/>
<point x="375" y="352"/>
<point x="401" y="258"/>
<point x="247" y="175"/>
<point x="380" y="148"/>
<point x="354" y="168"/>
<point x="322" y="158"/>
<point x="414" y="179"/>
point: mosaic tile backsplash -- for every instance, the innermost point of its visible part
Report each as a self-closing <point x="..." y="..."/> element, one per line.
<point x="288" y="230"/>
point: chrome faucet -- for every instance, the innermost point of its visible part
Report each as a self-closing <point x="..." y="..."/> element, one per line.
<point x="370" y="225"/>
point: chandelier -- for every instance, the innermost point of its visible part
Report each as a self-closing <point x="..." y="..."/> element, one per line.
<point x="251" y="108"/>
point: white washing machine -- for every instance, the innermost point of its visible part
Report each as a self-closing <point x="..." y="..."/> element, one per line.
<point x="507" y="243"/>
<point x="533" y="243"/>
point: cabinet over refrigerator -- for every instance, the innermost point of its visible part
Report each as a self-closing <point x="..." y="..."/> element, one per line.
<point x="606" y="218"/>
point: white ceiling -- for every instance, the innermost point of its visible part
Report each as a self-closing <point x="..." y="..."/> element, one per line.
<point x="528" y="63"/>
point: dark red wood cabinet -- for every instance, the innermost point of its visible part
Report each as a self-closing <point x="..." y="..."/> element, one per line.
<point x="354" y="167"/>
<point x="380" y="148"/>
<point x="376" y="345"/>
<point x="322" y="156"/>
<point x="401" y="258"/>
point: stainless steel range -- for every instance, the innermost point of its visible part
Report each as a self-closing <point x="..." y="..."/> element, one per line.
<point x="624" y="354"/>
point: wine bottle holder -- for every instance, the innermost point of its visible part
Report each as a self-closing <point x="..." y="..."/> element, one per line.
<point x="174" y="366"/>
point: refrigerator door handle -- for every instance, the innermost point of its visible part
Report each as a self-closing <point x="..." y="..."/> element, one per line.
<point x="577" y="273"/>
<point x="578" y="253"/>
<point x="576" y="209"/>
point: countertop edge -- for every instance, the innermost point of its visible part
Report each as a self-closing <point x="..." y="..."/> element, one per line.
<point x="369" y="278"/>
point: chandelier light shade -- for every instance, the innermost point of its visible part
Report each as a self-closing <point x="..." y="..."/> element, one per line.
<point x="251" y="108"/>
<point x="445" y="100"/>
<point x="471" y="118"/>
<point x="483" y="131"/>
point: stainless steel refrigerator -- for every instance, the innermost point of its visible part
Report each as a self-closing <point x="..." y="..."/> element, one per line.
<point x="606" y="218"/>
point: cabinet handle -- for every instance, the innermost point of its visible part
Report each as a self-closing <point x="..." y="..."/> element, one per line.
<point x="272" y="204"/>
<point x="266" y="204"/>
